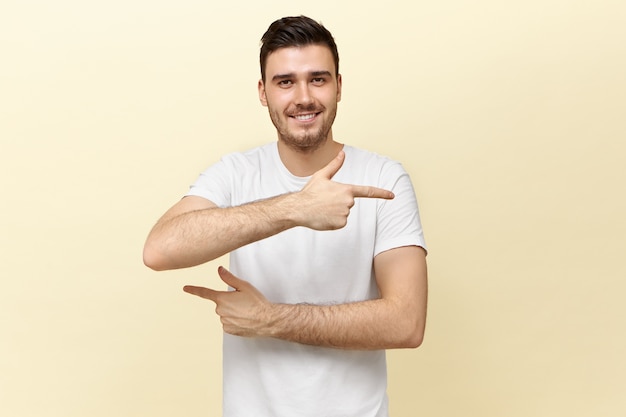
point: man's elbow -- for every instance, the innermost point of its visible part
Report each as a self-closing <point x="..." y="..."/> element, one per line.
<point x="413" y="334"/>
<point x="414" y="340"/>
<point x="161" y="258"/>
<point x="154" y="259"/>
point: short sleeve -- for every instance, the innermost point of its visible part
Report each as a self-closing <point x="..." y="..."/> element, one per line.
<point x="398" y="220"/>
<point x="214" y="184"/>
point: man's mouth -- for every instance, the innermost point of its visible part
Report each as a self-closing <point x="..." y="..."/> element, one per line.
<point x="304" y="117"/>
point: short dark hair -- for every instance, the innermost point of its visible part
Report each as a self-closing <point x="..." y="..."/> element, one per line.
<point x="294" y="32"/>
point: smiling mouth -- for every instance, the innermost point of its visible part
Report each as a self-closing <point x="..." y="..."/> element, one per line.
<point x="305" y="117"/>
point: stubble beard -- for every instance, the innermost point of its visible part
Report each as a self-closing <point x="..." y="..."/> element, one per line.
<point x="308" y="141"/>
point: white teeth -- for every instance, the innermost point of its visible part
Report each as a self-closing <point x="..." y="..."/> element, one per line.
<point x="303" y="117"/>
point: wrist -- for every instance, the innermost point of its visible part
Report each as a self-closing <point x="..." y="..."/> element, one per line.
<point x="272" y="318"/>
<point x="289" y="210"/>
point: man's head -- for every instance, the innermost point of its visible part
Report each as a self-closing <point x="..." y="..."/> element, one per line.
<point x="296" y="32"/>
<point x="300" y="84"/>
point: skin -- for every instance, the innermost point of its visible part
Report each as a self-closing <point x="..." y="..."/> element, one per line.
<point x="301" y="93"/>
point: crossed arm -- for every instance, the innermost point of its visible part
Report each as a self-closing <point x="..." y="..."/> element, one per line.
<point x="195" y="231"/>
<point x="395" y="320"/>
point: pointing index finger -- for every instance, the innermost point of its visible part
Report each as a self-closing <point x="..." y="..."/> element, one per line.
<point x="203" y="292"/>
<point x="366" y="191"/>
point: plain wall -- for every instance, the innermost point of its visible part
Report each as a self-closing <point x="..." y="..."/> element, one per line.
<point x="509" y="117"/>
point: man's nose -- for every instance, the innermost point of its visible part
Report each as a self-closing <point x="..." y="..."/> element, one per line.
<point x="303" y="94"/>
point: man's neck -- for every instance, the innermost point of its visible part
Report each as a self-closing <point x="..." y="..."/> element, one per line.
<point x="305" y="163"/>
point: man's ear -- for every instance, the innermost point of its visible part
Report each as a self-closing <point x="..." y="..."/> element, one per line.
<point x="339" y="88"/>
<point x="262" y="96"/>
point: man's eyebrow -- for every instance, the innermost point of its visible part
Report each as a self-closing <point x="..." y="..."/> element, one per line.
<point x="279" y="77"/>
<point x="320" y="73"/>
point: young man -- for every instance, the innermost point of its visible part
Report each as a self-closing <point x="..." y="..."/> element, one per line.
<point x="327" y="258"/>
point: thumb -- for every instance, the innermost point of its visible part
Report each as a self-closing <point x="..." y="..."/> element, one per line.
<point x="230" y="279"/>
<point x="333" y="166"/>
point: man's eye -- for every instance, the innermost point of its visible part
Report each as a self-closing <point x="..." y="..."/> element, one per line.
<point x="317" y="81"/>
<point x="285" y="83"/>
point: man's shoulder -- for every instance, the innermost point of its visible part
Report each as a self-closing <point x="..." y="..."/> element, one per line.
<point x="251" y="156"/>
<point x="371" y="161"/>
<point x="265" y="148"/>
<point x="367" y="155"/>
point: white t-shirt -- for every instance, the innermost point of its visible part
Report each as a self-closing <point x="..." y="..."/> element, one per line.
<point x="273" y="378"/>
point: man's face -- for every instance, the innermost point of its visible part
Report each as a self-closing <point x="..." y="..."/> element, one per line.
<point x="301" y="92"/>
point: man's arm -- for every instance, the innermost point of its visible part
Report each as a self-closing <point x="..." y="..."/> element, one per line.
<point x="195" y="230"/>
<point x="395" y="320"/>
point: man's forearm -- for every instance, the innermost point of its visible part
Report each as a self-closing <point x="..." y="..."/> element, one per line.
<point x="198" y="236"/>
<point x="373" y="324"/>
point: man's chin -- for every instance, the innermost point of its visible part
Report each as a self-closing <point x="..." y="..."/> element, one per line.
<point x="303" y="144"/>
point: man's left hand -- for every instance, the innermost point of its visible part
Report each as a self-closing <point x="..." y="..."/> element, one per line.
<point x="242" y="311"/>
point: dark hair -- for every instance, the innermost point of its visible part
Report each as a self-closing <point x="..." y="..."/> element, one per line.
<point x="296" y="31"/>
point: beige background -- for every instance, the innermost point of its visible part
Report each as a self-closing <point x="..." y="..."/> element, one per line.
<point x="508" y="115"/>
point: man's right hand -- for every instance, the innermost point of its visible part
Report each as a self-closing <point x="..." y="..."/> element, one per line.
<point x="324" y="204"/>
